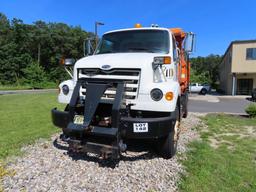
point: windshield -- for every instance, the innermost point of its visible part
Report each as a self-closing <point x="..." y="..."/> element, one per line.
<point x="149" y="41"/>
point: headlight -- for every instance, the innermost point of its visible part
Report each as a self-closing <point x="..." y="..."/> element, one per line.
<point x="65" y="89"/>
<point x="156" y="94"/>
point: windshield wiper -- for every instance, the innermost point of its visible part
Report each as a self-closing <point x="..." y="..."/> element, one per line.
<point x="140" y="49"/>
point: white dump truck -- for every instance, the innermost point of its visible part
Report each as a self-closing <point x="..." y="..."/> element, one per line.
<point x="133" y="86"/>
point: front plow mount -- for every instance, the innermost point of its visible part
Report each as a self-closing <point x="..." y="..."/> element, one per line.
<point x="88" y="135"/>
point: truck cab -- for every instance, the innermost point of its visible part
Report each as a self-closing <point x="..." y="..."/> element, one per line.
<point x="129" y="88"/>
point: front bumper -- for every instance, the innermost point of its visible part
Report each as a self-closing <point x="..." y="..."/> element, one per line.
<point x="157" y="127"/>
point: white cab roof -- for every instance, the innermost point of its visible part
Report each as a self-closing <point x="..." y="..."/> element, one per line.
<point x="141" y="28"/>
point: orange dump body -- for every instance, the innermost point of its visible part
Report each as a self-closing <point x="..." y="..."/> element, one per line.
<point x="184" y="65"/>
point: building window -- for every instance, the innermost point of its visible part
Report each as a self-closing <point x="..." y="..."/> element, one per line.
<point x="251" y="54"/>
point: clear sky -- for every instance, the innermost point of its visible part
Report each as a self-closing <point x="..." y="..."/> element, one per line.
<point x="215" y="22"/>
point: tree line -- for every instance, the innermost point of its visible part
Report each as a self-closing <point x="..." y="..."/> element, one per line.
<point x="30" y="53"/>
<point x="206" y="69"/>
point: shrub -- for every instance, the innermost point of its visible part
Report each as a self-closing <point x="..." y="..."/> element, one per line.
<point x="251" y="110"/>
<point x="35" y="75"/>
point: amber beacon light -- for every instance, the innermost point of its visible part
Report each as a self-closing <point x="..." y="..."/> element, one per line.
<point x="137" y="25"/>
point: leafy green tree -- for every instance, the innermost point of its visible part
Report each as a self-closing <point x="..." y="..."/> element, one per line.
<point x="4" y="29"/>
<point x="34" y="75"/>
<point x="198" y="78"/>
<point x="205" y="69"/>
<point x="23" y="45"/>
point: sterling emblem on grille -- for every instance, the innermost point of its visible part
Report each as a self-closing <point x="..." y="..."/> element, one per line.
<point x="105" y="67"/>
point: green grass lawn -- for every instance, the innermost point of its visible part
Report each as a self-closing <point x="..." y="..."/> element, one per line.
<point x="23" y="87"/>
<point x="225" y="158"/>
<point x="23" y="119"/>
<point x="5" y="87"/>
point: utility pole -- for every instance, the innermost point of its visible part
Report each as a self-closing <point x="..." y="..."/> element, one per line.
<point x="96" y="31"/>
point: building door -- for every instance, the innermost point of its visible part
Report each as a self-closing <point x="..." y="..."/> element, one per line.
<point x="244" y="86"/>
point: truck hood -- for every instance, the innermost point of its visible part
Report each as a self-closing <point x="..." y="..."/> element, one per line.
<point x="118" y="60"/>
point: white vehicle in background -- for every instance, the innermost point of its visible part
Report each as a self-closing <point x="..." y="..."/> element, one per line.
<point x="199" y="88"/>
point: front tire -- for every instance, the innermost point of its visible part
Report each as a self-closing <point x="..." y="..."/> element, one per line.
<point x="203" y="91"/>
<point x="184" y="105"/>
<point x="167" y="146"/>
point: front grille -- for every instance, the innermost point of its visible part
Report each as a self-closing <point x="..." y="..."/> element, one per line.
<point x="130" y="77"/>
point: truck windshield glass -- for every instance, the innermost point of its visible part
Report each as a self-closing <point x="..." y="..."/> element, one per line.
<point x="149" y="41"/>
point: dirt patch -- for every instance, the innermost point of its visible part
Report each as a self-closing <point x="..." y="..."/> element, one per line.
<point x="251" y="130"/>
<point x="218" y="139"/>
<point x="215" y="143"/>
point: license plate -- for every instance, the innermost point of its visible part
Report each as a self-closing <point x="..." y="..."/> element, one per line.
<point x="79" y="119"/>
<point x="140" y="127"/>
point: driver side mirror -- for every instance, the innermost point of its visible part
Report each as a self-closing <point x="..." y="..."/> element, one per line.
<point x="88" y="47"/>
<point x="67" y="62"/>
<point x="68" y="65"/>
<point x="189" y="42"/>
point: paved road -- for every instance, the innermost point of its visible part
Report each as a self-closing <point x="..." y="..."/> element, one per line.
<point x="27" y="91"/>
<point x="228" y="105"/>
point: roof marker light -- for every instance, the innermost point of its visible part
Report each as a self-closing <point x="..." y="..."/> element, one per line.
<point x="154" y="25"/>
<point x="137" y="25"/>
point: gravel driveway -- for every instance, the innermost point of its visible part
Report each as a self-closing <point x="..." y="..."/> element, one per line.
<point x="46" y="166"/>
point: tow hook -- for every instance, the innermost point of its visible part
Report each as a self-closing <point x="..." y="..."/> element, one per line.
<point x="122" y="146"/>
